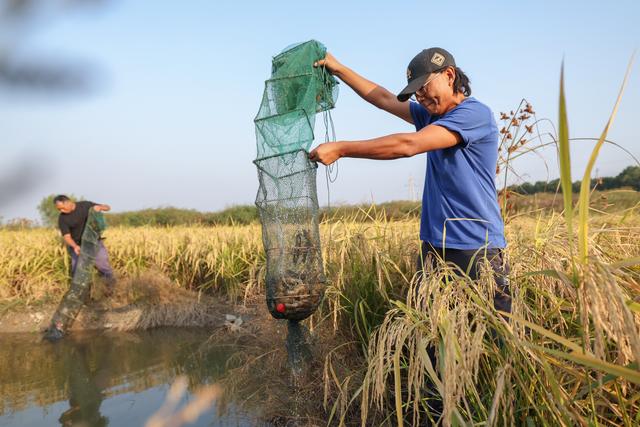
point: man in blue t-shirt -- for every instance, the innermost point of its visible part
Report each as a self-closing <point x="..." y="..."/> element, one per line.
<point x="461" y="220"/>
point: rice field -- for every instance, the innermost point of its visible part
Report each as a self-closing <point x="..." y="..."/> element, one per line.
<point x="567" y="355"/>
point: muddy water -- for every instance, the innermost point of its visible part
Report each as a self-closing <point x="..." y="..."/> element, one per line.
<point x="100" y="379"/>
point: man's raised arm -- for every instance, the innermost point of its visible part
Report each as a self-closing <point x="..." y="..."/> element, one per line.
<point x="368" y="90"/>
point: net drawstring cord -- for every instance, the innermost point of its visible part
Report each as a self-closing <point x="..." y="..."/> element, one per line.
<point x="329" y="135"/>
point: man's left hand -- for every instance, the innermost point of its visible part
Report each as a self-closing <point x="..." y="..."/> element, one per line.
<point x="102" y="208"/>
<point x="326" y="153"/>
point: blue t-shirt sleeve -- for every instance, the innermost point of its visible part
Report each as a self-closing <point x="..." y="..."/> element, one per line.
<point x="471" y="120"/>
<point x="419" y="114"/>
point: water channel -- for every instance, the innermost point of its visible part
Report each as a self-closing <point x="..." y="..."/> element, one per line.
<point x="108" y="378"/>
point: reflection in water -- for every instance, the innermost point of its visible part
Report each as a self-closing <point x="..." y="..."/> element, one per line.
<point x="102" y="379"/>
<point x="85" y="389"/>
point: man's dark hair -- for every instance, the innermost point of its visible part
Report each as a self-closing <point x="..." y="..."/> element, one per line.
<point x="461" y="83"/>
<point x="60" y="198"/>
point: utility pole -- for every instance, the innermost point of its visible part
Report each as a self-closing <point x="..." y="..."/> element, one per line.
<point x="412" y="189"/>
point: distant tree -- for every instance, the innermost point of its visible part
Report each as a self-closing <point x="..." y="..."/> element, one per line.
<point x="48" y="212"/>
<point x="606" y="183"/>
<point x="630" y="177"/>
<point x="19" y="224"/>
<point x="575" y="187"/>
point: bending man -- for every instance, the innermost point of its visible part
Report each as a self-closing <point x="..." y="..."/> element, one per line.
<point x="72" y="219"/>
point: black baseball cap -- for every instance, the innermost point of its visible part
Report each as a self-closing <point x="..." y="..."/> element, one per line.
<point x="426" y="62"/>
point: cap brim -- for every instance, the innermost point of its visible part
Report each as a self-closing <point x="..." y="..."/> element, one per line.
<point x="411" y="88"/>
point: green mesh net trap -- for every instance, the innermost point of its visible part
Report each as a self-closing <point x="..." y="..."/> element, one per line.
<point x="80" y="287"/>
<point x="287" y="200"/>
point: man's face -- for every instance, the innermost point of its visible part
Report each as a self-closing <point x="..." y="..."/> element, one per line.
<point x="435" y="95"/>
<point x="65" y="207"/>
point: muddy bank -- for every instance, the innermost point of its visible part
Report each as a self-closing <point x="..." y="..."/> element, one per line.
<point x="140" y="316"/>
<point x="149" y="301"/>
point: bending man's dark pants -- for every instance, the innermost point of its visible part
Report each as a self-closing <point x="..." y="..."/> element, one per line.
<point x="102" y="262"/>
<point x="80" y="286"/>
<point x="470" y="260"/>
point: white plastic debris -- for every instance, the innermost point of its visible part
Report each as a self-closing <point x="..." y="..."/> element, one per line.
<point x="233" y="322"/>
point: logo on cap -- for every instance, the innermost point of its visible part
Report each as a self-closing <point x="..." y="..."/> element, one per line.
<point x="408" y="73"/>
<point x="437" y="59"/>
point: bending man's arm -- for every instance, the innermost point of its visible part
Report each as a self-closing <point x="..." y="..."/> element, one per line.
<point x="102" y="208"/>
<point x="429" y="138"/>
<point x="73" y="245"/>
<point x="368" y="90"/>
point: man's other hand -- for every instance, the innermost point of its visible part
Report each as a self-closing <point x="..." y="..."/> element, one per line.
<point x="102" y="208"/>
<point x="326" y="153"/>
<point x="330" y="63"/>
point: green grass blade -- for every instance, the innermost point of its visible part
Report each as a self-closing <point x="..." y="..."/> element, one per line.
<point x="601" y="382"/>
<point x="633" y="306"/>
<point x="631" y="262"/>
<point x="565" y="159"/>
<point x="545" y="332"/>
<point x="592" y="362"/>
<point x="585" y="186"/>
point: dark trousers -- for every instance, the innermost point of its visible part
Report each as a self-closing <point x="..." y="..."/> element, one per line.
<point x="102" y="262"/>
<point x="469" y="261"/>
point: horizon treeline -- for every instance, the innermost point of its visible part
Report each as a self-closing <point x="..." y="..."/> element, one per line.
<point x="629" y="177"/>
<point x="394" y="210"/>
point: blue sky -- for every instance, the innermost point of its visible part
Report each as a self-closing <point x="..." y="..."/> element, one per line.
<point x="177" y="85"/>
